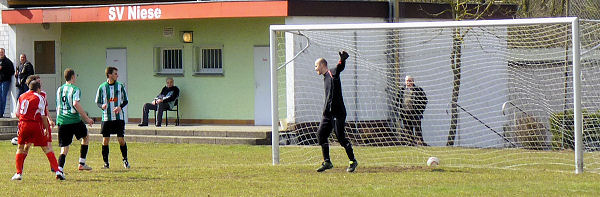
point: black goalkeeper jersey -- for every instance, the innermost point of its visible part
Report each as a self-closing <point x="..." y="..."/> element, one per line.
<point x="334" y="101"/>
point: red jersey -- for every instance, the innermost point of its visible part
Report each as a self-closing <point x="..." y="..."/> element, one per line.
<point x="32" y="106"/>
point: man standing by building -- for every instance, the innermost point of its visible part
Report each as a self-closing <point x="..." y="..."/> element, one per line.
<point x="112" y="98"/>
<point x="164" y="101"/>
<point x="69" y="114"/>
<point x="413" y="102"/>
<point x="24" y="70"/>
<point x="7" y="70"/>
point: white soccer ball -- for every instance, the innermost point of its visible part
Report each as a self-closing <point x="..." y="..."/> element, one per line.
<point x="14" y="141"/>
<point x="433" y="161"/>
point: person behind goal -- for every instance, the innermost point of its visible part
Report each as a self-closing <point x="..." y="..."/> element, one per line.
<point x="33" y="127"/>
<point x="69" y="116"/>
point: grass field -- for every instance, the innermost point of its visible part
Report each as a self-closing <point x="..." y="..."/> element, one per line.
<point x="219" y="170"/>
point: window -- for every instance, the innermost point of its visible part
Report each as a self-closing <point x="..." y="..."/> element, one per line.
<point x="168" y="60"/>
<point x="209" y="60"/>
<point x="44" y="53"/>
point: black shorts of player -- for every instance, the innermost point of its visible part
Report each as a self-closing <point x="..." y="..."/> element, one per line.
<point x="113" y="127"/>
<point x="66" y="132"/>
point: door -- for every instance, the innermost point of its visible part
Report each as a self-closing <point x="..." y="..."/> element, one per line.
<point x="262" y="86"/>
<point x="117" y="57"/>
<point x="45" y="66"/>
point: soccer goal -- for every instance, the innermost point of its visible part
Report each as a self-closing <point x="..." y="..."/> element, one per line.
<point x="507" y="94"/>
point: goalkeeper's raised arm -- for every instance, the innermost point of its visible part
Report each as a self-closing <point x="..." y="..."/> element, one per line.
<point x="342" y="63"/>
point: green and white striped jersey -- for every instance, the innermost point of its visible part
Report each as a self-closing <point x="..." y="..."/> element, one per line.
<point x="112" y="95"/>
<point x="66" y="113"/>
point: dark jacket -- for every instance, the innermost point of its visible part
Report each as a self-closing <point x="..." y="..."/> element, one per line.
<point x="334" y="101"/>
<point x="168" y="95"/>
<point x="7" y="71"/>
<point x="24" y="70"/>
<point x="420" y="101"/>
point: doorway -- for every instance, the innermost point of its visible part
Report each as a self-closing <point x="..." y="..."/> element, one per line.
<point x="117" y="57"/>
<point x="262" y="86"/>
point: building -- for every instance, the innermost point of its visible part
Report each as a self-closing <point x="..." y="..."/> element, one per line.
<point x="221" y="70"/>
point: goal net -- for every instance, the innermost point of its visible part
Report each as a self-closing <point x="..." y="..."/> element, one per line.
<point x="499" y="93"/>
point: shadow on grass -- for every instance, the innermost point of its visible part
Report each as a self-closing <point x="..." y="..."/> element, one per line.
<point x="392" y="169"/>
<point x="118" y="179"/>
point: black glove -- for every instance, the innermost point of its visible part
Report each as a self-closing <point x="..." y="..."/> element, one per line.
<point x="343" y="55"/>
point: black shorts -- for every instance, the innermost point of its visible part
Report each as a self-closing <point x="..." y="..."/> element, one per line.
<point x="66" y="132"/>
<point x="113" y="127"/>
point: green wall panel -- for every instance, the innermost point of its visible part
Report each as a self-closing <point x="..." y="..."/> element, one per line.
<point x="227" y="97"/>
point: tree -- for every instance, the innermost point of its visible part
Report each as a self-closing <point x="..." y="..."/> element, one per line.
<point x="462" y="10"/>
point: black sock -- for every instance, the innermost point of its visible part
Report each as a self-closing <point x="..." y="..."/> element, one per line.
<point x="61" y="160"/>
<point x="350" y="152"/>
<point x="124" y="151"/>
<point x="83" y="153"/>
<point x="325" y="149"/>
<point x="105" y="153"/>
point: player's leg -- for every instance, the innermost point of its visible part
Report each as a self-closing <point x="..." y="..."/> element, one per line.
<point x="21" y="154"/>
<point x="340" y="133"/>
<point x="82" y="133"/>
<point x="323" y="133"/>
<point x="105" y="151"/>
<point x="53" y="163"/>
<point x="146" y="109"/>
<point x="122" y="144"/>
<point x="105" y="130"/>
<point x="123" y="147"/>
<point x="65" y="138"/>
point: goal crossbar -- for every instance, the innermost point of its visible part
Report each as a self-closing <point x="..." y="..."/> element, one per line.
<point x="414" y="25"/>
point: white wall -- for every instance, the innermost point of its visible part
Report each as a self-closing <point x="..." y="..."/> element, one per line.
<point x="26" y="35"/>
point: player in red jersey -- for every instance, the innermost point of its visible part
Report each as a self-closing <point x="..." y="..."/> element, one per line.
<point x="31" y="111"/>
<point x="50" y="121"/>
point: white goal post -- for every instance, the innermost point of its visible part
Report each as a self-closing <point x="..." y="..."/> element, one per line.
<point x="428" y="51"/>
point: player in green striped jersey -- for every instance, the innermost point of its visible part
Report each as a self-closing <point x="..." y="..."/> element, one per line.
<point x="112" y="98"/>
<point x="69" y="116"/>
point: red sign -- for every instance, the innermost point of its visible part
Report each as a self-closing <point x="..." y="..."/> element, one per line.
<point x="147" y="12"/>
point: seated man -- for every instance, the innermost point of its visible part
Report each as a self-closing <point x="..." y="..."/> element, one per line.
<point x="165" y="100"/>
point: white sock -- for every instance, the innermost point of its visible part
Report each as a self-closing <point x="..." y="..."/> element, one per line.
<point x="81" y="160"/>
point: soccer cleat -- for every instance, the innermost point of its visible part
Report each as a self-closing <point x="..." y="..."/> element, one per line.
<point x="352" y="167"/>
<point x="142" y="125"/>
<point x="326" y="165"/>
<point x="17" y="177"/>
<point x="106" y="165"/>
<point x="126" y="164"/>
<point x="60" y="175"/>
<point x="84" y="167"/>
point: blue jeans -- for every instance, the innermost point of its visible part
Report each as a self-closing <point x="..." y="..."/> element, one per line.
<point x="4" y="89"/>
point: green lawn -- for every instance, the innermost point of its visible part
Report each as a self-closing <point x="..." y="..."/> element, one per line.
<point x="219" y="170"/>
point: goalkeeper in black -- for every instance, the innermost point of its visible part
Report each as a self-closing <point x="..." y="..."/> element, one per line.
<point x="334" y="112"/>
